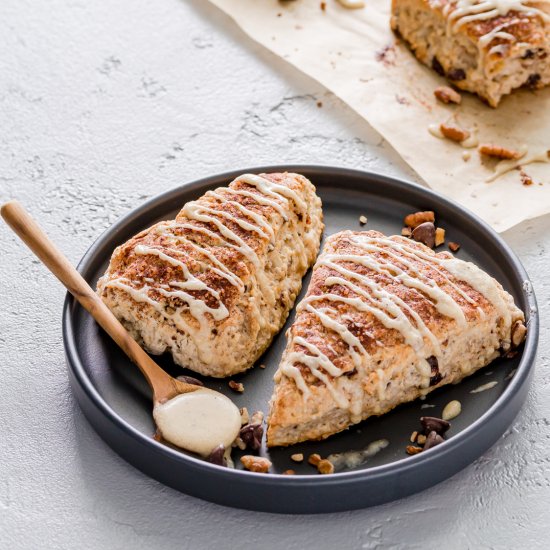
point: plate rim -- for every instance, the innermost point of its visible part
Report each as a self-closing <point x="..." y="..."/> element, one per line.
<point x="403" y="465"/>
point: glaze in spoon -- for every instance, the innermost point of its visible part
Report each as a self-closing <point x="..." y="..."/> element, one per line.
<point x="192" y="417"/>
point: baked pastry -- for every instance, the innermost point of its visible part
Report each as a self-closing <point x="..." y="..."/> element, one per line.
<point x="213" y="286"/>
<point x="488" y="47"/>
<point x="385" y="320"/>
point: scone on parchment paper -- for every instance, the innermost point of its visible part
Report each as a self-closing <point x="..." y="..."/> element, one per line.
<point x="385" y="320"/>
<point x="215" y="285"/>
<point x="488" y="47"/>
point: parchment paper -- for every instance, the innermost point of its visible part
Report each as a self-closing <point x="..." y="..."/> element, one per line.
<point x="356" y="56"/>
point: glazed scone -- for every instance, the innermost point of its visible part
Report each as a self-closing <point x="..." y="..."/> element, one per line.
<point x="385" y="320"/>
<point x="215" y="285"/>
<point x="488" y="47"/>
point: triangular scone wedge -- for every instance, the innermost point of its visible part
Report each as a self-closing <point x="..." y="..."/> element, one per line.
<point x="385" y="321"/>
<point x="216" y="284"/>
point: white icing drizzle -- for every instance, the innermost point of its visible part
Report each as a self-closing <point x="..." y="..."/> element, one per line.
<point x="260" y="220"/>
<point x="485" y="387"/>
<point x="368" y="296"/>
<point x="352" y="4"/>
<point x="505" y="166"/>
<point x="268" y="194"/>
<point x="435" y="130"/>
<point x="272" y="189"/>
<point x="466" y="11"/>
<point x="353" y="459"/>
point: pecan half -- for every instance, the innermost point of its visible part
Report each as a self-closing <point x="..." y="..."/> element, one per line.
<point x="499" y="152"/>
<point x="454" y="133"/>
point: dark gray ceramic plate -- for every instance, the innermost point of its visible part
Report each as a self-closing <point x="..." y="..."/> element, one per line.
<point x="116" y="399"/>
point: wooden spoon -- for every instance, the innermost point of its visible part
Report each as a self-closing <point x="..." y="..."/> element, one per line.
<point x="164" y="386"/>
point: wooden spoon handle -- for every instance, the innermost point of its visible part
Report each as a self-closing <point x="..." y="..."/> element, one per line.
<point x="32" y="235"/>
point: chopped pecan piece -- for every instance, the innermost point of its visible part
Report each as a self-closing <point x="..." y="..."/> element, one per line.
<point x="413" y="449"/>
<point x="454" y="133"/>
<point x="439" y="236"/>
<point x="518" y="333"/>
<point x="416" y="218"/>
<point x="526" y="179"/>
<point x="256" y="463"/>
<point x="454" y="247"/>
<point x="314" y="459"/>
<point x="325" y="466"/>
<point x="499" y="152"/>
<point x="236" y="386"/>
<point x="447" y="95"/>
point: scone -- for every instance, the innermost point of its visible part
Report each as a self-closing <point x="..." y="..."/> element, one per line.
<point x="214" y="286"/>
<point x="385" y="320"/>
<point x="488" y="47"/>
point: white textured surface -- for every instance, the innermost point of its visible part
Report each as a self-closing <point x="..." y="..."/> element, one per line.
<point x="103" y="104"/>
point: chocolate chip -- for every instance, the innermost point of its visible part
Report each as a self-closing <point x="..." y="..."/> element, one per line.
<point x="433" y="424"/>
<point x="456" y="74"/>
<point x="533" y="80"/>
<point x="437" y="67"/>
<point x="435" y="377"/>
<point x="190" y="380"/>
<point x="432" y="440"/>
<point x="425" y="233"/>
<point x="252" y="435"/>
<point x="529" y="54"/>
<point x="217" y="456"/>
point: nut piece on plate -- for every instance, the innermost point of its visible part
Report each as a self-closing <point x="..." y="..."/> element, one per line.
<point x="413" y="449"/>
<point x="518" y="333"/>
<point x="425" y="233"/>
<point x="314" y="459"/>
<point x="325" y="466"/>
<point x="236" y="386"/>
<point x="454" y="247"/>
<point x="416" y="218"/>
<point x="452" y="410"/>
<point x="439" y="236"/>
<point x="454" y="133"/>
<point x="297" y="457"/>
<point x="445" y="94"/>
<point x="499" y="152"/>
<point x="432" y="440"/>
<point x="245" y="417"/>
<point x="256" y="463"/>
